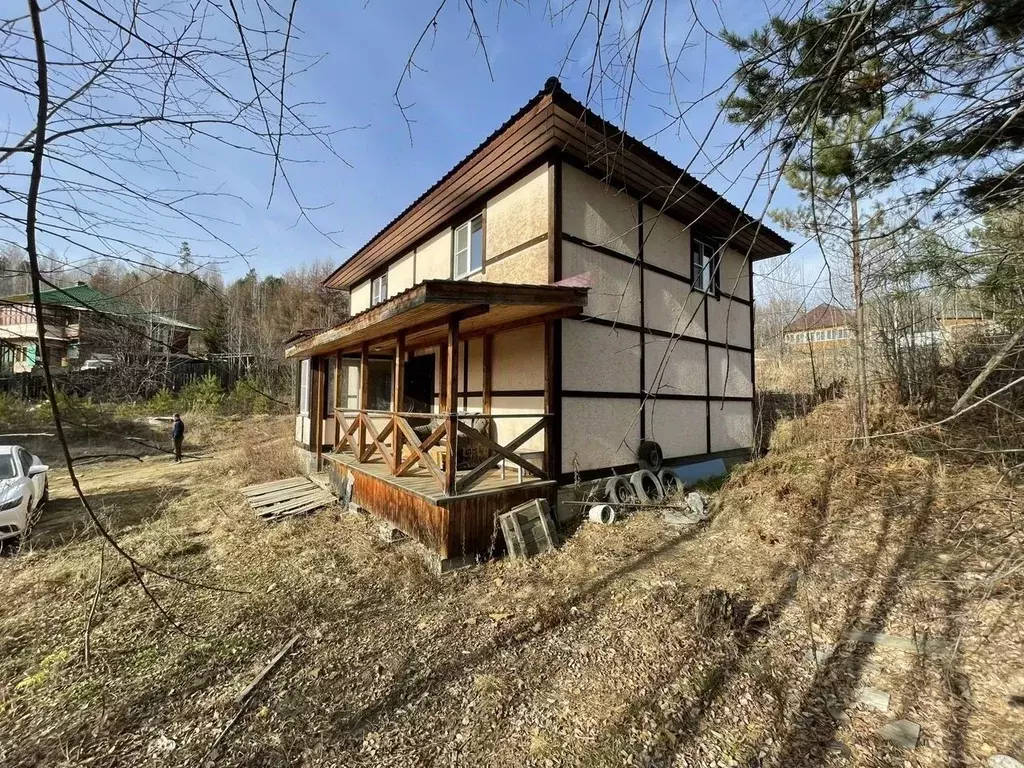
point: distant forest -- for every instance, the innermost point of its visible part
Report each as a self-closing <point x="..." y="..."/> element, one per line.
<point x="251" y="315"/>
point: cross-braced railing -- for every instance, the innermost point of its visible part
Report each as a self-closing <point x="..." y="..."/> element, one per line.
<point x="440" y="450"/>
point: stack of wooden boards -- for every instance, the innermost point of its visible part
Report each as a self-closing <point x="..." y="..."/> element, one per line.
<point x="284" y="498"/>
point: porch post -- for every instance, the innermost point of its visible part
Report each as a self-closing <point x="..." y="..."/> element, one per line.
<point x="337" y="398"/>
<point x="316" y="407"/>
<point x="451" y="379"/>
<point x="364" y="396"/>
<point x="398" y="398"/>
<point x="550" y="398"/>
<point x="488" y="358"/>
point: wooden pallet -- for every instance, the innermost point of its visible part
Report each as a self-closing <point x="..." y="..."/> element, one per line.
<point x="285" y="498"/>
<point x="528" y="529"/>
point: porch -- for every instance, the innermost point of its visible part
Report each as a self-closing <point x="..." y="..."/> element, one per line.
<point x="411" y="425"/>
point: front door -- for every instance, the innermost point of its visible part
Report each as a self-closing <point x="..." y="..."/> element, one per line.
<point x="419" y="384"/>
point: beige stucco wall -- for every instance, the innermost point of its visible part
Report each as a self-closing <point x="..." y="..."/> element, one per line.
<point x="732" y="425"/>
<point x="507" y="430"/>
<point x="679" y="426"/>
<point x="730" y="373"/>
<point x="517" y="215"/>
<point x="528" y="265"/>
<point x="614" y="285"/>
<point x="598" y="213"/>
<point x="729" y="321"/>
<point x="518" y="361"/>
<point x="598" y="358"/>
<point x="735" y="274"/>
<point x="593" y="429"/>
<point x="434" y="258"/>
<point x="666" y="242"/>
<point x="670" y="305"/>
<point x="675" y="367"/>
<point x="400" y="274"/>
<point x="360" y="298"/>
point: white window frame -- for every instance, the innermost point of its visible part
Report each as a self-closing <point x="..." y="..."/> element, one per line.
<point x="704" y="266"/>
<point x="304" y="387"/>
<point x="468" y="227"/>
<point x="379" y="289"/>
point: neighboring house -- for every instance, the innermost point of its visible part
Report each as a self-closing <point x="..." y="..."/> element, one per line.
<point x="524" y="324"/>
<point x="824" y="327"/>
<point x="84" y="328"/>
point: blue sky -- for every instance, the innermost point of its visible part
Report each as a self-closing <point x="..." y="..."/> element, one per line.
<point x="454" y="105"/>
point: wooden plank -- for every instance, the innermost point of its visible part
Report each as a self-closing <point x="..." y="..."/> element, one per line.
<point x="311" y="498"/>
<point x="300" y="510"/>
<point x="255" y="490"/>
<point x="272" y="498"/>
<point x="419" y="452"/>
<point x="345" y="437"/>
<point x="378" y="442"/>
<point x="488" y="373"/>
<point x="451" y="403"/>
<point x="364" y="396"/>
<point x="398" y="398"/>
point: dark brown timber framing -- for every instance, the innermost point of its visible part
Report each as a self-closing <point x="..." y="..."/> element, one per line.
<point x="551" y="124"/>
<point x="555" y="360"/>
<point x="423" y="310"/>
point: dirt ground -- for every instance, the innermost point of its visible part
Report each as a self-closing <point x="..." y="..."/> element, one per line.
<point x="634" y="644"/>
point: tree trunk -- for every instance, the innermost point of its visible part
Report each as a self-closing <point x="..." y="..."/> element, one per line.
<point x="858" y="301"/>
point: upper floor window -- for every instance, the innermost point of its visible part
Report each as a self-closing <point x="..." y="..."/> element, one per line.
<point x="704" y="266"/>
<point x="469" y="247"/>
<point x="379" y="289"/>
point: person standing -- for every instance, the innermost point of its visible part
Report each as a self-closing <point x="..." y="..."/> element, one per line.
<point x="177" y="437"/>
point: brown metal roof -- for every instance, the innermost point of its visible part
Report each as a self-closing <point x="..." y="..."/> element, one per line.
<point x="423" y="311"/>
<point x="822" y="316"/>
<point x="554" y="123"/>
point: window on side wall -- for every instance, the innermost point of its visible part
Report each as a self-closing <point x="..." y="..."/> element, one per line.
<point x="379" y="289"/>
<point x="468" y="247"/>
<point x="704" y="266"/>
<point x="304" y="388"/>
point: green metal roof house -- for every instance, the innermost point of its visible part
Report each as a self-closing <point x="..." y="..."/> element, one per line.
<point x="84" y="328"/>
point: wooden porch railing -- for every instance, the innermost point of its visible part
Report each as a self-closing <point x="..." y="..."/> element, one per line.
<point x="358" y="435"/>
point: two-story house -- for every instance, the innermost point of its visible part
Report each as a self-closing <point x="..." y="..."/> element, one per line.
<point x="559" y="297"/>
<point x="84" y="328"/>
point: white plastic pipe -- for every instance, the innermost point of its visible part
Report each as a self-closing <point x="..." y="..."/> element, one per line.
<point x="602" y="513"/>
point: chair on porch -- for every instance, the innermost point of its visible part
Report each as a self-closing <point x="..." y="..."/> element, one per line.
<point x="469" y="453"/>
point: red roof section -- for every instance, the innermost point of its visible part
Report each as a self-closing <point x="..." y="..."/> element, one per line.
<point x="822" y="316"/>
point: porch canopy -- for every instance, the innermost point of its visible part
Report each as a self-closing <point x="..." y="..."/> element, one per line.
<point x="422" y="314"/>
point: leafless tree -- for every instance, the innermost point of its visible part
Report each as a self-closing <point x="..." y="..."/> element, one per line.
<point x="122" y="99"/>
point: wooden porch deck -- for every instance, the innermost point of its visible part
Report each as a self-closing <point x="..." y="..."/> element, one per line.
<point x="419" y="482"/>
<point x="457" y="528"/>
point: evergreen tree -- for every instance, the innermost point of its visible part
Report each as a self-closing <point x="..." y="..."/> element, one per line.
<point x="956" y="67"/>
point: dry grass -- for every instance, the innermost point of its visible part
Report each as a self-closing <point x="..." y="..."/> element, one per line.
<point x="615" y="650"/>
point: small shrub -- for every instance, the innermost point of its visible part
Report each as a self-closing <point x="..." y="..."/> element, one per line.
<point x="205" y="394"/>
<point x="163" y="402"/>
<point x="248" y="396"/>
<point x="14" y="410"/>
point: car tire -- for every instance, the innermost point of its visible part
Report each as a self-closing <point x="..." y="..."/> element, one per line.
<point x="647" y="486"/>
<point x="649" y="456"/>
<point x="670" y="484"/>
<point x="619" y="491"/>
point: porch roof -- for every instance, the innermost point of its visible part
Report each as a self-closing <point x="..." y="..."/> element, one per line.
<point x="423" y="311"/>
